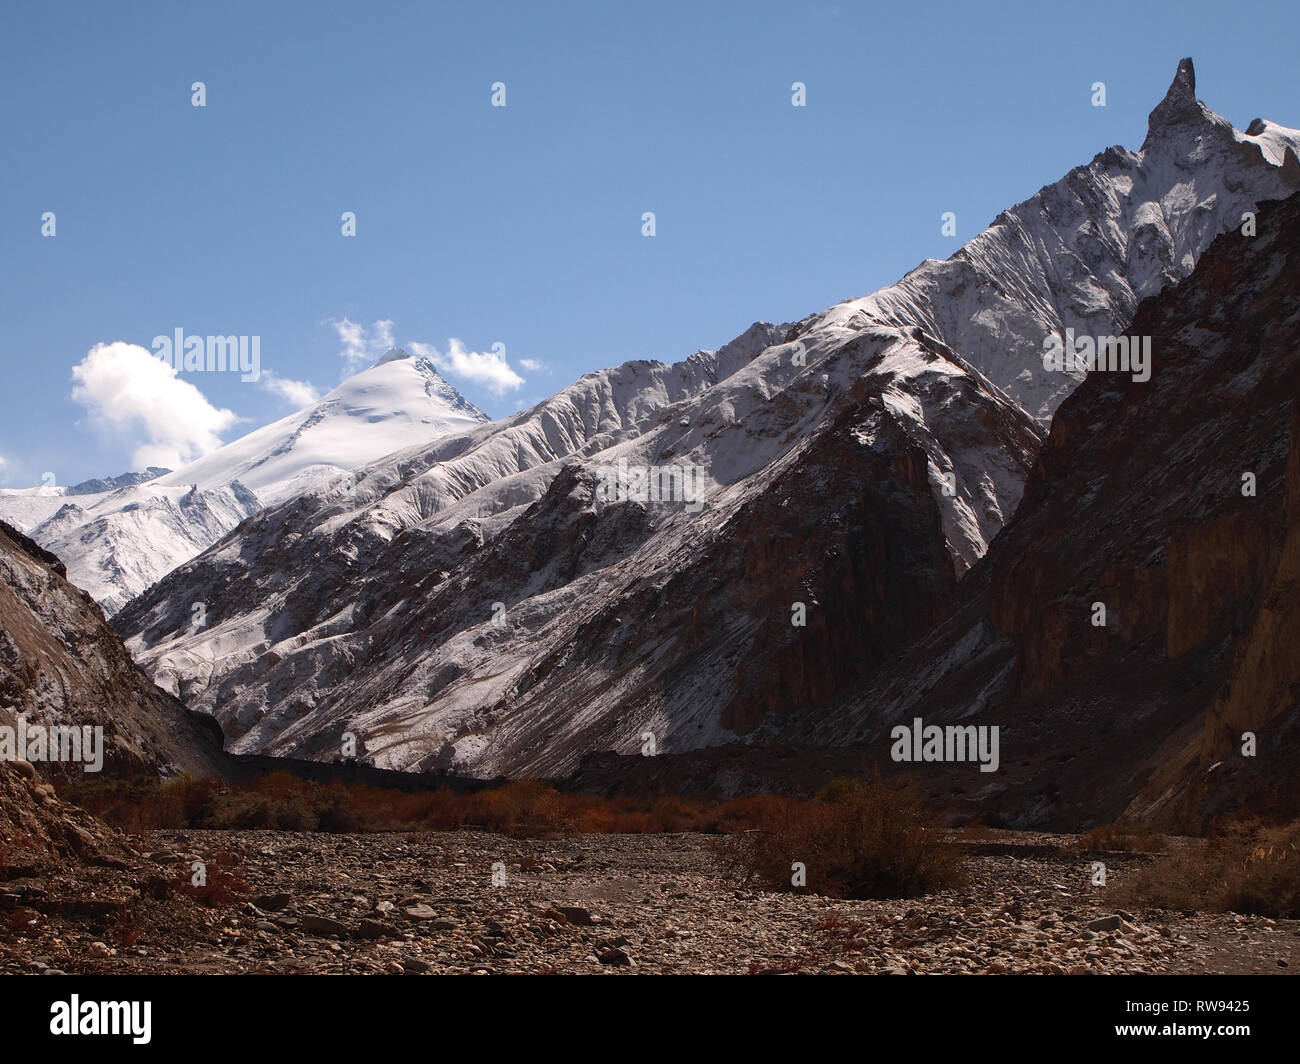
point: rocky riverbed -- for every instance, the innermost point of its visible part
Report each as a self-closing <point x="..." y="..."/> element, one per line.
<point x="467" y="902"/>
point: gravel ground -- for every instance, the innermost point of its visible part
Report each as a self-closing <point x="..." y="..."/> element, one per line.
<point x="614" y="904"/>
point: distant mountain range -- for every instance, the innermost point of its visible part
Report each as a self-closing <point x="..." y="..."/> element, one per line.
<point x="480" y="602"/>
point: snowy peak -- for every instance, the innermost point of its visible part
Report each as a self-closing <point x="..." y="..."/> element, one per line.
<point x="399" y="402"/>
<point x="1084" y="251"/>
<point x="124" y="533"/>
<point x="102" y="484"/>
<point x="436" y="386"/>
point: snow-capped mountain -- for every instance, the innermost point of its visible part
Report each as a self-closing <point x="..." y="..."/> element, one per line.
<point x="1138" y="503"/>
<point x="484" y="605"/>
<point x="398" y="402"/>
<point x="119" y="536"/>
<point x="1084" y="251"/>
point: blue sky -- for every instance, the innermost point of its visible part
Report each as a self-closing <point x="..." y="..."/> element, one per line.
<point x="522" y="225"/>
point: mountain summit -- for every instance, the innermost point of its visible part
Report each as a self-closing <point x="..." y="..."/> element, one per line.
<point x="396" y="403"/>
<point x="118" y="541"/>
<point x="1084" y="251"/>
<point x="1179" y="105"/>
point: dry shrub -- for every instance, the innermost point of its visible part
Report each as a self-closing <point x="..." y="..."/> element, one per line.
<point x="125" y="930"/>
<point x="223" y="882"/>
<point x="597" y="818"/>
<point x="140" y="804"/>
<point x="845" y="933"/>
<point x="745" y="814"/>
<point x="522" y="808"/>
<point x="282" y="801"/>
<point x="859" y="839"/>
<point x="1121" y="837"/>
<point x="1243" y="867"/>
<point x="246" y="810"/>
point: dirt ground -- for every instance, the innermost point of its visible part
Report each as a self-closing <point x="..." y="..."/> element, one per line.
<point x="469" y="902"/>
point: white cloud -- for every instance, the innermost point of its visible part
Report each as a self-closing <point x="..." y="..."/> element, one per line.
<point x="127" y="390"/>
<point x="362" y="347"/>
<point x="298" y="393"/>
<point x="486" y="368"/>
<point x="533" y="365"/>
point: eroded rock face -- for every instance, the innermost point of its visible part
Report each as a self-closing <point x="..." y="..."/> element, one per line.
<point x="1139" y="503"/>
<point x="38" y="830"/>
<point x="1262" y="692"/>
<point x="61" y="664"/>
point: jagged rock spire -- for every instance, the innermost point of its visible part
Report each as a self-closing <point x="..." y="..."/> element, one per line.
<point x="1180" y="103"/>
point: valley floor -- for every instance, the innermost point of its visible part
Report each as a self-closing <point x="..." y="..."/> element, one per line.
<point x="392" y="903"/>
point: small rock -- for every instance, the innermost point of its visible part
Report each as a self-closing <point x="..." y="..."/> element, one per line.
<point x="374" y="929"/>
<point x="25" y="768"/>
<point x="617" y="957"/>
<point x="323" y="925"/>
<point x="272" y="902"/>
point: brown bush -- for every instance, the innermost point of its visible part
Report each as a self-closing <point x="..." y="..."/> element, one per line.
<point x="1244" y="867"/>
<point x="522" y="808"/>
<point x="1121" y="837"/>
<point x="223" y="882"/>
<point x="859" y="839"/>
<point x="744" y="814"/>
<point x="125" y="930"/>
<point x="282" y="801"/>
